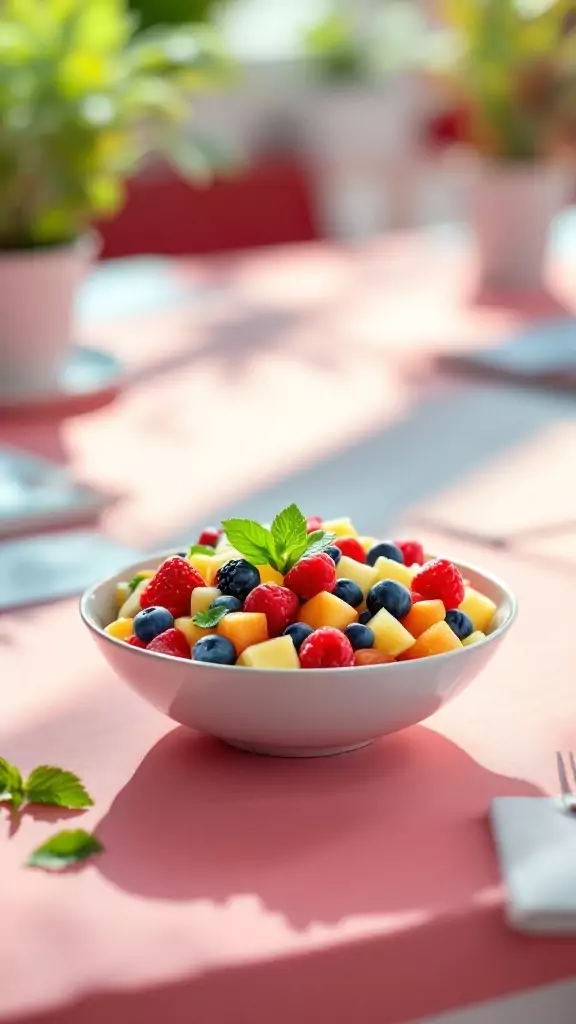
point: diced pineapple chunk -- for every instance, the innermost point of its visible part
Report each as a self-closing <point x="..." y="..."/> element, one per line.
<point x="474" y="638"/>
<point x="208" y="565"/>
<point x="422" y="615"/>
<point x="327" y="610"/>
<point x="202" y="598"/>
<point x="480" y="609"/>
<point x="388" y="569"/>
<point x="362" y="574"/>
<point x="192" y="632"/>
<point x="270" y="575"/>
<point x="244" y="629"/>
<point x="390" y="636"/>
<point x="438" y="639"/>
<point x="342" y="527"/>
<point x="368" y="542"/>
<point x="132" y="605"/>
<point x="277" y="653"/>
<point x="122" y="593"/>
<point x="120" y="629"/>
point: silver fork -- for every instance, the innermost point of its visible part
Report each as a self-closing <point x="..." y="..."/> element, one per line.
<point x="568" y="796"/>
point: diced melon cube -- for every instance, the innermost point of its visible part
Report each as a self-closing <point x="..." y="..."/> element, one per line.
<point x="191" y="631"/>
<point x="423" y="615"/>
<point x="132" y="605"/>
<point x="202" y="598"/>
<point x="342" y="527"/>
<point x="120" y="629"/>
<point x="390" y="636"/>
<point x="327" y="610"/>
<point x="277" y="653"/>
<point x="208" y="565"/>
<point x="121" y="593"/>
<point x="270" y="575"/>
<point x="372" y="657"/>
<point x="368" y="542"/>
<point x="438" y="639"/>
<point x="474" y="638"/>
<point x="244" y="629"/>
<point x="480" y="609"/>
<point x="362" y="574"/>
<point x="388" y="569"/>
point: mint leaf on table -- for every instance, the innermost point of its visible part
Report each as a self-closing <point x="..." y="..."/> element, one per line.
<point x="318" y="541"/>
<point x="289" y="534"/>
<point x="135" y="581"/>
<point x="56" y="787"/>
<point x="210" y="617"/>
<point x="11" y="784"/>
<point x="201" y="549"/>
<point x="64" y="849"/>
<point x="252" y="540"/>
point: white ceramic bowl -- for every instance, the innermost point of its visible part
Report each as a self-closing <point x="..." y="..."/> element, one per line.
<point x="295" y="713"/>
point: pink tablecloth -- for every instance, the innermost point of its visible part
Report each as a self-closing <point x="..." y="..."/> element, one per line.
<point x="239" y="889"/>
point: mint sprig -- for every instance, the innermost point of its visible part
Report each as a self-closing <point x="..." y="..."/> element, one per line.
<point x="64" y="849"/>
<point x="11" y="784"/>
<point x="210" y="617"/>
<point x="135" y="581"/>
<point x="201" y="549"/>
<point x="47" y="784"/>
<point x="282" y="545"/>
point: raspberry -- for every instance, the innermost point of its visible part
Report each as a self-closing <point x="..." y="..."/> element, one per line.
<point x="172" y="642"/>
<point x="135" y="642"/>
<point x="412" y="550"/>
<point x="172" y="586"/>
<point x="209" y="536"/>
<point x="313" y="523"/>
<point x="312" y="575"/>
<point x="351" y="547"/>
<point x="327" y="648"/>
<point x="416" y="597"/>
<point x="279" y="605"/>
<point x="440" y="579"/>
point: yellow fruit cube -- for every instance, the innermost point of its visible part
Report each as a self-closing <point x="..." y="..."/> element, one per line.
<point x="478" y="608"/>
<point x="327" y="610"/>
<point x="368" y="542"/>
<point x="244" y="629"/>
<point x="120" y="629"/>
<point x="388" y="569"/>
<point x="121" y="593"/>
<point x="277" y="653"/>
<point x="341" y="527"/>
<point x="390" y="636"/>
<point x="422" y="615"/>
<point x="208" y="565"/>
<point x="270" y="575"/>
<point x="474" y="638"/>
<point x="362" y="574"/>
<point x="438" y="639"/>
<point x="202" y="598"/>
<point x="132" y="605"/>
<point x="191" y="631"/>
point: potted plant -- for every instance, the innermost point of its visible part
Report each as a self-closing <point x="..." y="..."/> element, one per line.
<point x="511" y="67"/>
<point x="84" y="102"/>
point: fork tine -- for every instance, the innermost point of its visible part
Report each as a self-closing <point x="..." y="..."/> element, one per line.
<point x="562" y="776"/>
<point x="573" y="765"/>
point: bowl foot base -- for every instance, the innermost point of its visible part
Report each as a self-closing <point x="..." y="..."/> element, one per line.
<point x="266" y="751"/>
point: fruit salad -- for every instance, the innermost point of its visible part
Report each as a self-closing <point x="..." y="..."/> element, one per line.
<point x="300" y="594"/>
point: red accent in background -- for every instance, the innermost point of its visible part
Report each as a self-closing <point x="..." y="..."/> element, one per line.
<point x="268" y="204"/>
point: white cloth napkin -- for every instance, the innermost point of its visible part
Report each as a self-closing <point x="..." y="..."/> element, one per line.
<point x="536" y="845"/>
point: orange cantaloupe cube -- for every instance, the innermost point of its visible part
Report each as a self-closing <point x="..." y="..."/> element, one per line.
<point x="474" y="638"/>
<point x="479" y="608"/>
<point x="327" y="610"/>
<point x="277" y="653"/>
<point x="244" y="629"/>
<point x="371" y="657"/>
<point x="270" y="575"/>
<point x="438" y="639"/>
<point x="390" y="636"/>
<point x="422" y="615"/>
<point x="202" y="598"/>
<point x="120" y="629"/>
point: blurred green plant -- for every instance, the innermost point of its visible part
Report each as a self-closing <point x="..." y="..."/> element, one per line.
<point x="174" y="12"/>
<point x="333" y="48"/>
<point x="84" y="103"/>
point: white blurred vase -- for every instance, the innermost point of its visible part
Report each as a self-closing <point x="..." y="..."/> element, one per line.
<point x="512" y="208"/>
<point x="37" y="290"/>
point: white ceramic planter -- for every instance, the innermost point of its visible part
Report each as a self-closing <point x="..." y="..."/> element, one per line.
<point x="37" y="289"/>
<point x="512" y="210"/>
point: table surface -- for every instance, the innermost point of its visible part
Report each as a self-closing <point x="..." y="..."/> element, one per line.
<point x="235" y="888"/>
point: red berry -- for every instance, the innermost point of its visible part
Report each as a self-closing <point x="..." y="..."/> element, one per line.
<point x="412" y="550"/>
<point x="416" y="597"/>
<point x="326" y="648"/>
<point x="313" y="523"/>
<point x="440" y="579"/>
<point x="172" y="586"/>
<point x="312" y="575"/>
<point x="135" y="641"/>
<point x="279" y="605"/>
<point x="173" y="642"/>
<point x="209" y="536"/>
<point x="351" y="547"/>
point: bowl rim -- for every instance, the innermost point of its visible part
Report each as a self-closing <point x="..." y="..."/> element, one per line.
<point x="465" y="567"/>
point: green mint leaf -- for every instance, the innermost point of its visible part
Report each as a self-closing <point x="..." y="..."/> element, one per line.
<point x="252" y="540"/>
<point x="210" y="617"/>
<point x="289" y="535"/>
<point x="318" y="541"/>
<point x="56" y="787"/>
<point x="201" y="549"/>
<point x="64" y="849"/>
<point x="135" y="581"/>
<point x="11" y="784"/>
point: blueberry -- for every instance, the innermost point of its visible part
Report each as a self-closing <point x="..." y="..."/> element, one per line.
<point x="150" y="622"/>
<point x="349" y="592"/>
<point x="237" y="578"/>
<point x="386" y="549"/>
<point x="335" y="554"/>
<point x="215" y="650"/>
<point x="227" y="601"/>
<point x="364" y="617"/>
<point x="392" y="596"/>
<point x="459" y="623"/>
<point x="182" y="554"/>
<point x="298" y="632"/>
<point x="359" y="636"/>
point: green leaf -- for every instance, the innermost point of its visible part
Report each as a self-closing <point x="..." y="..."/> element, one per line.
<point x="318" y="541"/>
<point x="289" y="533"/>
<point x="252" y="540"/>
<point x="210" y="617"/>
<point x="56" y="787"/>
<point x="201" y="549"/>
<point x="11" y="784"/>
<point x="64" y="849"/>
<point x="135" y="581"/>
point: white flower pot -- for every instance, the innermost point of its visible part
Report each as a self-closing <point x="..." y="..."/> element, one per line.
<point x="512" y="211"/>
<point x="37" y="289"/>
